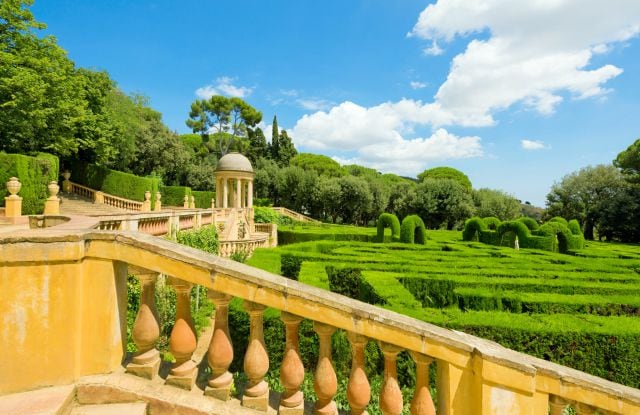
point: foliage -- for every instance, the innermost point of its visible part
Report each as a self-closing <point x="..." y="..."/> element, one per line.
<point x="239" y="256"/>
<point x="443" y="203"/>
<point x="203" y="198"/>
<point x="533" y="225"/>
<point x="473" y="228"/>
<point x="286" y="150"/>
<point x="391" y="221"/>
<point x="34" y="174"/>
<point x="492" y="222"/>
<point x="204" y="239"/>
<point x="629" y="162"/>
<point x="323" y="165"/>
<point x="174" y="195"/>
<point x="412" y="230"/>
<point x="290" y="266"/>
<point x="489" y="202"/>
<point x="355" y="198"/>
<point x="439" y="173"/>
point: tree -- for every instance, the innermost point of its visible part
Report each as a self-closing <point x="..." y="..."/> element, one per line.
<point x="257" y="145"/>
<point x="323" y="165"/>
<point x="228" y="118"/>
<point x="326" y="199"/>
<point x="355" y="199"/>
<point x="489" y="202"/>
<point x="581" y="195"/>
<point x="629" y="162"/>
<point x="443" y="203"/>
<point x="275" y="139"/>
<point x="286" y="150"/>
<point x="402" y="198"/>
<point x="619" y="218"/>
<point x="446" y="173"/>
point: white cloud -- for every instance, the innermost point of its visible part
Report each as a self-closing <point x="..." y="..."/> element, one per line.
<point x="224" y="86"/>
<point x="314" y="104"/>
<point x="535" y="51"/>
<point x="434" y="49"/>
<point x="531" y="145"/>
<point x="417" y="84"/>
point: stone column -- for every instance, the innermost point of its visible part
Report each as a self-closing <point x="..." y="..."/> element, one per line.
<point x="250" y="194"/>
<point x="390" y="394"/>
<point x="52" y="204"/>
<point x="225" y="193"/>
<point x="146" y="205"/>
<point x="256" y="361"/>
<point x="238" y="201"/>
<point x="146" y="331"/>
<point x="182" y="343"/>
<point x="358" y="389"/>
<point x="291" y="370"/>
<point x="13" y="202"/>
<point x="557" y="405"/>
<point x="243" y="193"/>
<point x="220" y="353"/>
<point x="422" y="404"/>
<point x="158" y="206"/>
<point x="325" y="382"/>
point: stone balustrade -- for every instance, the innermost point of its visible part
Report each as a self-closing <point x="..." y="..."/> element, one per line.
<point x="82" y="275"/>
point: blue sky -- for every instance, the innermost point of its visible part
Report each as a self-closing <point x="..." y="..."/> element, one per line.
<point x="515" y="94"/>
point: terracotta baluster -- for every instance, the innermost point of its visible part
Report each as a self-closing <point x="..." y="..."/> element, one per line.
<point x="146" y="331"/>
<point x="557" y="405"/>
<point x="422" y="403"/>
<point x="220" y="349"/>
<point x="325" y="382"/>
<point x="390" y="394"/>
<point x="291" y="370"/>
<point x="358" y="389"/>
<point x="182" y="343"/>
<point x="256" y="361"/>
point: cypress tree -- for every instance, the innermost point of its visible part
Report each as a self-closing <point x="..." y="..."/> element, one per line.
<point x="275" y="140"/>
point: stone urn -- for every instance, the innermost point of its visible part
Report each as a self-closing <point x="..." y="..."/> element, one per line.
<point x="158" y="196"/>
<point x="66" y="174"/>
<point x="147" y="195"/>
<point x="53" y="189"/>
<point x="13" y="186"/>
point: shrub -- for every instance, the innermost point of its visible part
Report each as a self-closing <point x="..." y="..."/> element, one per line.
<point x="290" y="266"/>
<point x="174" y="195"/>
<point x="492" y="222"/>
<point x="518" y="228"/>
<point x="412" y="230"/>
<point x="559" y="219"/>
<point x="529" y="222"/>
<point x="473" y="229"/>
<point x="265" y="215"/>
<point x="34" y="173"/>
<point x="203" y="198"/>
<point x="205" y="239"/>
<point x="574" y="227"/>
<point x="388" y="220"/>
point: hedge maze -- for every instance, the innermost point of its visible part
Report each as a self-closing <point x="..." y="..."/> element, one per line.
<point x="557" y="235"/>
<point x="579" y="310"/>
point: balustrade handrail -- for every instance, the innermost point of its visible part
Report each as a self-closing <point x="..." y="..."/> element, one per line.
<point x="134" y="203"/>
<point x="79" y="186"/>
<point x="294" y="215"/>
<point x="109" y="199"/>
<point x="488" y="360"/>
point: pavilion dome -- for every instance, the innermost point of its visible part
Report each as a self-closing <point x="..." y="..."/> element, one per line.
<point x="234" y="162"/>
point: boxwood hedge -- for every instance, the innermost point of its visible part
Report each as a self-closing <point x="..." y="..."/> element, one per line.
<point x="412" y="230"/>
<point x="388" y="220"/>
<point x="34" y="172"/>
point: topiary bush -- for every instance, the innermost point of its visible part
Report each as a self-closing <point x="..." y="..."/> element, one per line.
<point x="492" y="222"/>
<point x="388" y="220"/>
<point x="574" y="227"/>
<point x="518" y="228"/>
<point x="174" y="195"/>
<point x="529" y="222"/>
<point x="205" y="239"/>
<point x="559" y="219"/>
<point x="412" y="230"/>
<point x="290" y="266"/>
<point x="34" y="173"/>
<point x="473" y="228"/>
<point x="203" y="198"/>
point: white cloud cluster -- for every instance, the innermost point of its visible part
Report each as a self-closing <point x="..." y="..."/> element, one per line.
<point x="532" y="145"/>
<point x="417" y="85"/>
<point x="224" y="86"/>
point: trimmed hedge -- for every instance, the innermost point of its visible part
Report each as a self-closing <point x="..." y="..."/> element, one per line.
<point x="473" y="229"/>
<point x="529" y="222"/>
<point x="518" y="228"/>
<point x="348" y="281"/>
<point x="34" y="173"/>
<point x="203" y="198"/>
<point x="117" y="183"/>
<point x="391" y="221"/>
<point x="290" y="266"/>
<point x="412" y="230"/>
<point x="492" y="222"/>
<point x="574" y="227"/>
<point x="174" y="195"/>
<point x="559" y="219"/>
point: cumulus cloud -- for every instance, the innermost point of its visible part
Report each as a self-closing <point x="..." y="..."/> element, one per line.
<point x="313" y="104"/>
<point x="531" y="145"/>
<point x="535" y="51"/>
<point x="223" y="86"/>
<point x="417" y="84"/>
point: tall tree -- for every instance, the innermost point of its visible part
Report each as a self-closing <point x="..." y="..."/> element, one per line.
<point x="443" y="203"/>
<point x="629" y="161"/>
<point x="489" y="202"/>
<point x="286" y="150"/>
<point x="446" y="173"/>
<point x="275" y="139"/>
<point x="257" y="145"/>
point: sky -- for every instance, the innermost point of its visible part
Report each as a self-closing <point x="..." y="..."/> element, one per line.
<point x="516" y="94"/>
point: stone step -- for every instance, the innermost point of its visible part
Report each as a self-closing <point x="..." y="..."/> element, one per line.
<point x="111" y="409"/>
<point x="46" y="401"/>
<point x="72" y="204"/>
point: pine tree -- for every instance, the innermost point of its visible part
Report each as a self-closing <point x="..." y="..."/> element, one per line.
<point x="275" y="140"/>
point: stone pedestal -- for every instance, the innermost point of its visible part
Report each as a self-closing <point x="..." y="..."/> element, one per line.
<point x="13" y="206"/>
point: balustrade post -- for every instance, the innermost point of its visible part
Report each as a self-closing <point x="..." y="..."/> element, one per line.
<point x="66" y="183"/>
<point x="325" y="382"/>
<point x="98" y="197"/>
<point x="146" y="205"/>
<point x="220" y="353"/>
<point x="256" y="361"/>
<point x="182" y="343"/>
<point x="197" y="220"/>
<point x="13" y="202"/>
<point x="390" y="394"/>
<point x="158" y="206"/>
<point x="358" y="388"/>
<point x="146" y="331"/>
<point x="422" y="403"/>
<point x="52" y="204"/>
<point x="292" y="369"/>
<point x="192" y="204"/>
<point x="557" y="405"/>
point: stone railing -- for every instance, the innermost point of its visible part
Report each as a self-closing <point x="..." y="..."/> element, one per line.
<point x="247" y="246"/>
<point x="81" y="190"/>
<point x="269" y="228"/>
<point x="70" y="288"/>
<point x="294" y="215"/>
<point x="103" y="198"/>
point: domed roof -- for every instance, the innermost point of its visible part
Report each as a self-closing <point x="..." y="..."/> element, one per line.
<point x="234" y="162"/>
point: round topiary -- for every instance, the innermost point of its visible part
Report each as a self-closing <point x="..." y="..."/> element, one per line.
<point x="517" y="227"/>
<point x="473" y="227"/>
<point x="412" y="230"/>
<point x="574" y="227"/>
<point x="492" y="222"/>
<point x="559" y="219"/>
<point x="388" y="220"/>
<point x="529" y="222"/>
<point x="556" y="229"/>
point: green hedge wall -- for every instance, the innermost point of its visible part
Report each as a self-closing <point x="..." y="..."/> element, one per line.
<point x="117" y="183"/>
<point x="492" y="222"/>
<point x="529" y="222"/>
<point x="203" y="198"/>
<point x="34" y="172"/>
<point x="473" y="229"/>
<point x="412" y="230"/>
<point x="174" y="195"/>
<point x="388" y="220"/>
<point x="286" y="237"/>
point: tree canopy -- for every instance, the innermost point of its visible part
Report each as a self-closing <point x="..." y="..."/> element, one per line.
<point x="438" y="173"/>
<point x="629" y="162"/>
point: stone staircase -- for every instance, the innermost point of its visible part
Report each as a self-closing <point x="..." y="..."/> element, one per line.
<point x="74" y="205"/>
